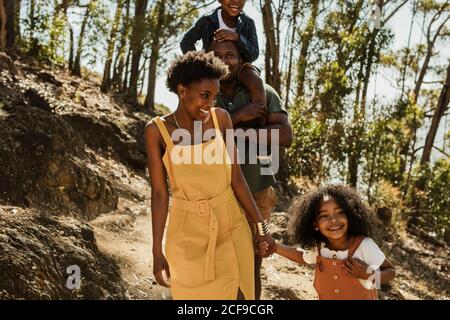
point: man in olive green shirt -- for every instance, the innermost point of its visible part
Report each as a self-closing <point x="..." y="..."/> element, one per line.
<point x="256" y="143"/>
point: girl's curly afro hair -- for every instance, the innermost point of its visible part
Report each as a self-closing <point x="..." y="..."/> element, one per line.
<point x="305" y="210"/>
<point x="195" y="66"/>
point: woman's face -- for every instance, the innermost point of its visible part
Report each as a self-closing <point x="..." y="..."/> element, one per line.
<point x="331" y="221"/>
<point x="198" y="98"/>
<point x="232" y="8"/>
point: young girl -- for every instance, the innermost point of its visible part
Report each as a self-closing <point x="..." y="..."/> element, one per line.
<point x="331" y="225"/>
<point x="209" y="245"/>
<point x="229" y="23"/>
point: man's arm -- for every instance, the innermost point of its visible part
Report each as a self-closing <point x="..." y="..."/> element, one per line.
<point x="277" y="123"/>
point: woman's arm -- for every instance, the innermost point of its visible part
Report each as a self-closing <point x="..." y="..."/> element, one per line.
<point x="238" y="183"/>
<point x="159" y="200"/>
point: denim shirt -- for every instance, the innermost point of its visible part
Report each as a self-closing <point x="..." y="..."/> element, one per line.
<point x="206" y="25"/>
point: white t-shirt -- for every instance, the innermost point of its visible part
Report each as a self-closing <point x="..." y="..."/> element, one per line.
<point x="368" y="251"/>
<point x="222" y="24"/>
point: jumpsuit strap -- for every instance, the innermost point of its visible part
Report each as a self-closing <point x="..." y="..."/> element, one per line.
<point x="164" y="132"/>
<point x="356" y="241"/>
<point x="216" y="123"/>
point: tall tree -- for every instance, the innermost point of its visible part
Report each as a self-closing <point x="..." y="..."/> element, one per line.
<point x="306" y="36"/>
<point x="160" y="13"/>
<point x="439" y="112"/>
<point x="137" y="36"/>
<point x="106" y="81"/>
<point x="121" y="56"/>
<point x="272" y="17"/>
<point x="87" y="14"/>
<point x="8" y="14"/>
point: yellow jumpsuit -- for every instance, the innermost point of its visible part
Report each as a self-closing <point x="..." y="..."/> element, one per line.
<point x="209" y="244"/>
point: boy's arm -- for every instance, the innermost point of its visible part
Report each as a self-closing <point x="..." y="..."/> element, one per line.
<point x="252" y="81"/>
<point x="191" y="37"/>
<point x="248" y="44"/>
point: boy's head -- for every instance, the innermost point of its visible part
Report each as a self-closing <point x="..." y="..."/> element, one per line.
<point x="228" y="52"/>
<point x="232" y="8"/>
<point x="331" y="212"/>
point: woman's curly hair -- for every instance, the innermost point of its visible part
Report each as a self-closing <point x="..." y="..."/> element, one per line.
<point x="195" y="66"/>
<point x="305" y="211"/>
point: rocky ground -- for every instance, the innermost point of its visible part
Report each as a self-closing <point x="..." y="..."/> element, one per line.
<point x="74" y="191"/>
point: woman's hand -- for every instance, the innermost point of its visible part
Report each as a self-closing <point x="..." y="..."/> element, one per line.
<point x="159" y="265"/>
<point x="356" y="268"/>
<point x="266" y="245"/>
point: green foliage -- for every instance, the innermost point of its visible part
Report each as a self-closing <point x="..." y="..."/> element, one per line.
<point x="386" y="195"/>
<point x="433" y="202"/>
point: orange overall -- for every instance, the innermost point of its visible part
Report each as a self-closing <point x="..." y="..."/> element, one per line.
<point x="331" y="283"/>
<point x="208" y="245"/>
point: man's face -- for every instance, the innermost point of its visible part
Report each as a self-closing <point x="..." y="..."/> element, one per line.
<point x="229" y="54"/>
<point x="232" y="8"/>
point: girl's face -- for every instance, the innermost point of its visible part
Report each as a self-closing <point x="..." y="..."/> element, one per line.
<point x="331" y="221"/>
<point x="197" y="98"/>
<point x="232" y="8"/>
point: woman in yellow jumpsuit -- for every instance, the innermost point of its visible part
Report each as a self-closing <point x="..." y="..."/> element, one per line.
<point x="209" y="245"/>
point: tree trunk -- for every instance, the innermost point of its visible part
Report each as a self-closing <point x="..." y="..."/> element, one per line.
<point x="154" y="56"/>
<point x="439" y="112"/>
<point x="127" y="73"/>
<point x="272" y="61"/>
<point x="306" y="37"/>
<point x="119" y="64"/>
<point x="136" y="47"/>
<point x="106" y="82"/>
<point x="17" y="23"/>
<point x="77" y="63"/>
<point x="7" y="24"/>
<point x="72" y="48"/>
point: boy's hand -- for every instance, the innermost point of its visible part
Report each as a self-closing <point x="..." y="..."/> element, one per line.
<point x="252" y="111"/>
<point x="224" y="35"/>
<point x="356" y="268"/>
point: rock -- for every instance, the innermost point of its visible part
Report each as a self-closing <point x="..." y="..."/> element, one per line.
<point x="6" y="63"/>
<point x="385" y="215"/>
<point x="48" y="77"/>
<point x="38" y="253"/>
<point x="36" y="100"/>
<point x="43" y="164"/>
<point x="111" y="140"/>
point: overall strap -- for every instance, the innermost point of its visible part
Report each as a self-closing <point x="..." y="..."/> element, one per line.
<point x="319" y="259"/>
<point x="354" y="244"/>
<point x="216" y="123"/>
<point x="165" y="134"/>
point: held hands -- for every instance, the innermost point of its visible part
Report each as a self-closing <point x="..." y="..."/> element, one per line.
<point x="356" y="268"/>
<point x="224" y="35"/>
<point x="266" y="245"/>
<point x="160" y="265"/>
